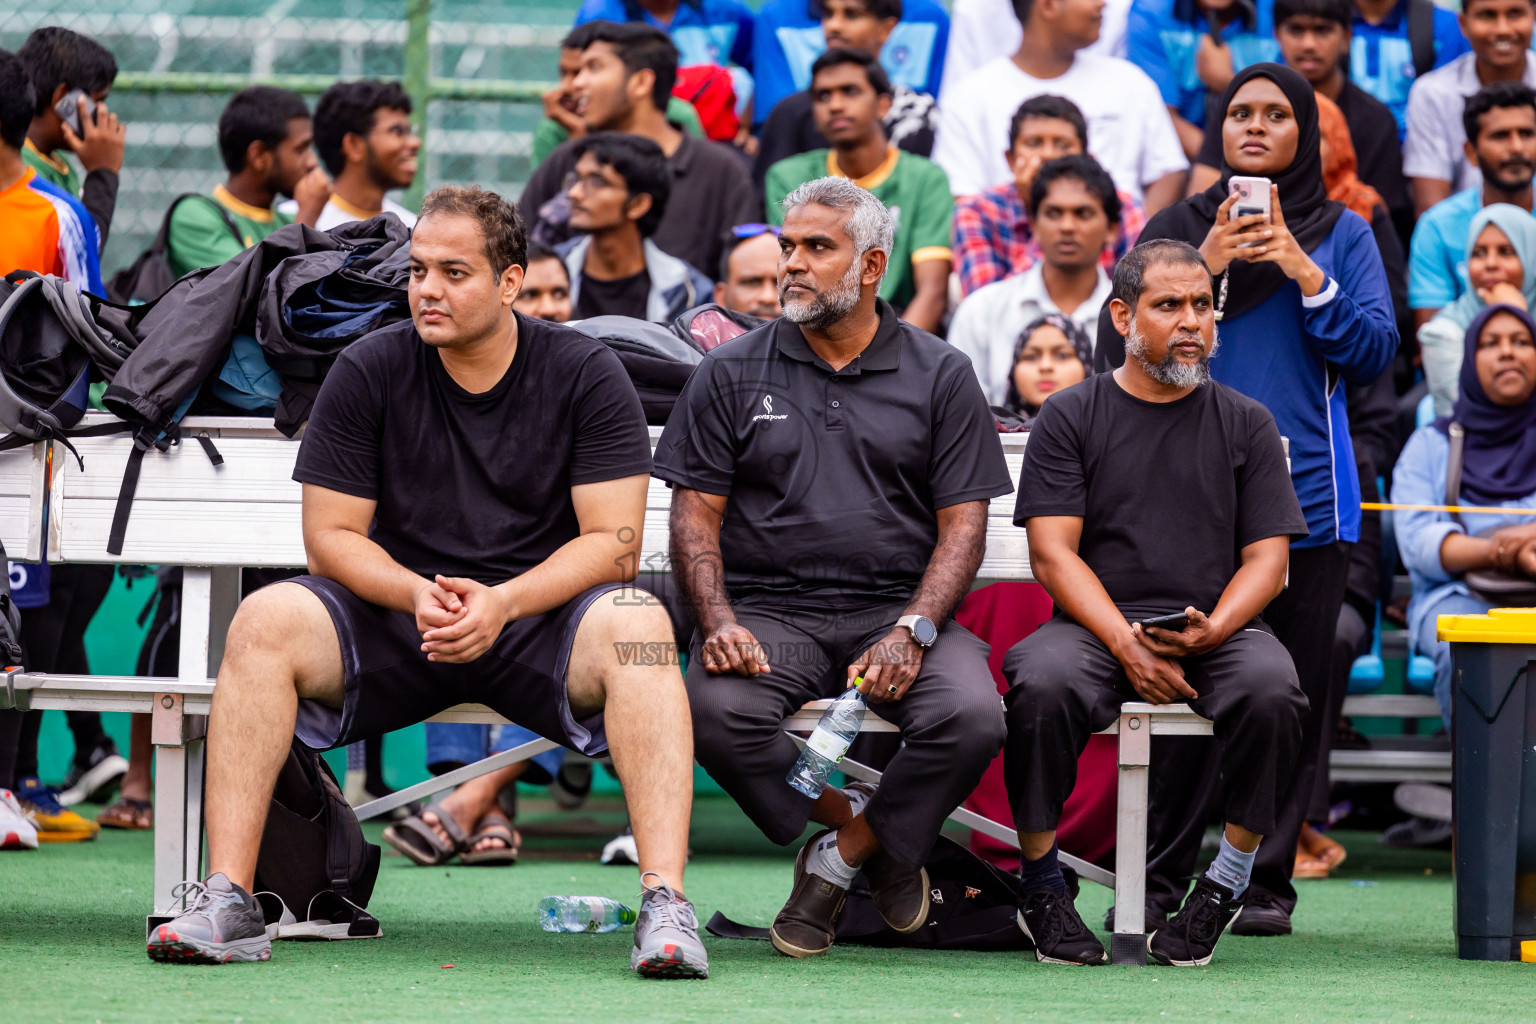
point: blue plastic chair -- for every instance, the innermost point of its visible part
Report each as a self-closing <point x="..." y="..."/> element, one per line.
<point x="1369" y="671"/>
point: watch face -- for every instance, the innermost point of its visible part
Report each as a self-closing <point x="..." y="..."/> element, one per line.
<point x="924" y="631"/>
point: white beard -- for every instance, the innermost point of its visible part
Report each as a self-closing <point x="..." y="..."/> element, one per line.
<point x="830" y="306"/>
<point x="1170" y="371"/>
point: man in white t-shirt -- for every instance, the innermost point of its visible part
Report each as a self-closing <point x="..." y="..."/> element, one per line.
<point x="364" y="137"/>
<point x="982" y="29"/>
<point x="1434" y="162"/>
<point x="1133" y="136"/>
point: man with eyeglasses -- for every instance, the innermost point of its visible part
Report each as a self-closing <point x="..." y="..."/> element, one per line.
<point x="749" y="272"/>
<point x="365" y="140"/>
<point x="618" y="194"/>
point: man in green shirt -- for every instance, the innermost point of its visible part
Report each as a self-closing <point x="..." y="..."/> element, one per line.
<point x="561" y="121"/>
<point x="850" y="96"/>
<point x="61" y="64"/>
<point x="266" y="140"/>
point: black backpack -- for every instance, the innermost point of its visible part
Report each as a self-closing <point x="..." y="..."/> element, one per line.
<point x="973" y="906"/>
<point x="313" y="846"/>
<point x="149" y="276"/>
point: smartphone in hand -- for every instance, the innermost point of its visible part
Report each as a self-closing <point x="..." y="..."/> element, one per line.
<point x="1173" y="623"/>
<point x="1252" y="197"/>
<point x="68" y="109"/>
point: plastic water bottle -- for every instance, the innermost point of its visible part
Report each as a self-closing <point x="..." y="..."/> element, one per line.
<point x="583" y="914"/>
<point x="828" y="743"/>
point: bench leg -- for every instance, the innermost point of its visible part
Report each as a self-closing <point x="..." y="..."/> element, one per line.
<point x="448" y="780"/>
<point x="1128" y="945"/>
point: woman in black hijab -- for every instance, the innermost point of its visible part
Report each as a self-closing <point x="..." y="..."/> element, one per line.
<point x="1302" y="301"/>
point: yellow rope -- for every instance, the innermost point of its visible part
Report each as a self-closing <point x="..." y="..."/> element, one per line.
<point x="1382" y="506"/>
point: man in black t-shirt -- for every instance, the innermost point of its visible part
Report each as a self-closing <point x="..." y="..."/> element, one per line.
<point x="832" y="471"/>
<point x="474" y="493"/>
<point x="1153" y="491"/>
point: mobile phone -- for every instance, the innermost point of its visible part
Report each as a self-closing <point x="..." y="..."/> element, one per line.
<point x="1252" y="197"/>
<point x="1173" y="623"/>
<point x="68" y="109"/>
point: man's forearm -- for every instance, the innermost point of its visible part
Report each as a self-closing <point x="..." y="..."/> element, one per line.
<point x="926" y="310"/>
<point x="697" y="563"/>
<point x="952" y="568"/>
<point x="1427" y="192"/>
<point x="1165" y="191"/>
<point x="1257" y="582"/>
<point x="360" y="565"/>
<point x="576" y="566"/>
<point x="1077" y="591"/>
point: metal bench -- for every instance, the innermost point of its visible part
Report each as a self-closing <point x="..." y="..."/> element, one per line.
<point x="213" y="521"/>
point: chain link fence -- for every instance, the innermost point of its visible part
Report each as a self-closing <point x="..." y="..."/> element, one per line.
<point x="475" y="71"/>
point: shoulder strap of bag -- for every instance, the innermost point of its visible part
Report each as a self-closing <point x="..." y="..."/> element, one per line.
<point x="1458" y="436"/>
<point x="1421" y="35"/>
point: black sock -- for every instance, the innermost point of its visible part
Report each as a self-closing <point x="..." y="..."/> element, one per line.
<point x="1043" y="874"/>
<point x="373" y="780"/>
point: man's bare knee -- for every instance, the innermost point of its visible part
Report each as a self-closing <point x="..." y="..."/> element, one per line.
<point x="285" y="633"/>
<point x="620" y="630"/>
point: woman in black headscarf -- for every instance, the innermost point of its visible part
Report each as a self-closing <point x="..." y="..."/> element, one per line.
<point x="1302" y="300"/>
<point x="1051" y="353"/>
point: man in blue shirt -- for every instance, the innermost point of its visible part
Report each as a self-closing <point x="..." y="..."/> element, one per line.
<point x="787" y="38"/>
<point x="1172" y="41"/>
<point x="1390" y="49"/>
<point x="1501" y="128"/>
<point x="704" y="31"/>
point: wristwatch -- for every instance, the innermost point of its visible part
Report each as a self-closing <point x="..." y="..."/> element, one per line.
<point x="923" y="631"/>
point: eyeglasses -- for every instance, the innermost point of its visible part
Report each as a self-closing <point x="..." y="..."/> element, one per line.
<point x="746" y="231"/>
<point x="588" y="182"/>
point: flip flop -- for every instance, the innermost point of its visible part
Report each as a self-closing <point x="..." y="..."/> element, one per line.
<point x="493" y="826"/>
<point x="128" y="813"/>
<point x="421" y="842"/>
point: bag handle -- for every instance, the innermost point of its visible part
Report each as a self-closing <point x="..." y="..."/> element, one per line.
<point x="1453" y="464"/>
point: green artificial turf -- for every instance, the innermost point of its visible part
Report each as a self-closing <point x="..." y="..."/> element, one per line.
<point x="1375" y="944"/>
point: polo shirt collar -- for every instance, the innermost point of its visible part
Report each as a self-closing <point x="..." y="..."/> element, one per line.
<point x="875" y="178"/>
<point x="882" y="353"/>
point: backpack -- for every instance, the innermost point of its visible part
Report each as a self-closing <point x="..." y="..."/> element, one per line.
<point x="50" y="341"/>
<point x="149" y="276"/>
<point x="712" y="92"/>
<point x="710" y="325"/>
<point x="658" y="361"/>
<point x="313" y="853"/>
<point x="973" y="905"/>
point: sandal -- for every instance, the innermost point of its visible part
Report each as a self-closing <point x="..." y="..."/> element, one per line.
<point x="128" y="813"/>
<point x="493" y="826"/>
<point x="419" y="841"/>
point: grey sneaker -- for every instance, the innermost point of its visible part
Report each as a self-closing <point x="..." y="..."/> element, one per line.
<point x="666" y="935"/>
<point x="221" y="923"/>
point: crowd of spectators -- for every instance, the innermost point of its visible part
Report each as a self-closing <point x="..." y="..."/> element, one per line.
<point x="1019" y="154"/>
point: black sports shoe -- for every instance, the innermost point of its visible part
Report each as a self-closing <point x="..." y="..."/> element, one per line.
<point x="1057" y="930"/>
<point x="1189" y="937"/>
<point x="94" y="779"/>
<point x="1262" y="915"/>
<point x="1151" y="917"/>
<point x="222" y="923"/>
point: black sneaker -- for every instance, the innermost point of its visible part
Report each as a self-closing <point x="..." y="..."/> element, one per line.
<point x="222" y="923"/>
<point x="1151" y="917"/>
<point x="1189" y="937"/>
<point x="94" y="779"/>
<point x="1262" y="916"/>
<point x="808" y="921"/>
<point x="1057" y="930"/>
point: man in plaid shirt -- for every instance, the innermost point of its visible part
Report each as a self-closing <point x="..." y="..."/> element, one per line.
<point x="992" y="235"/>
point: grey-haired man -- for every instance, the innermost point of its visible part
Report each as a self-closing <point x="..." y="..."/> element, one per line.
<point x="832" y="472"/>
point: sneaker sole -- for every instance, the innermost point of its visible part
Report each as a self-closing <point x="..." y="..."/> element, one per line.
<point x="668" y="962"/>
<point x="167" y="947"/>
<point x="16" y="841"/>
<point x="65" y="837"/>
<point x="1042" y="958"/>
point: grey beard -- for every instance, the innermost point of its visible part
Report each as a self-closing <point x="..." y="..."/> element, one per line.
<point x="830" y="306"/>
<point x="1170" y="371"/>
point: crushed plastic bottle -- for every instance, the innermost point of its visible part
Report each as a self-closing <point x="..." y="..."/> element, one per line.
<point x="583" y="914"/>
<point x="828" y="743"/>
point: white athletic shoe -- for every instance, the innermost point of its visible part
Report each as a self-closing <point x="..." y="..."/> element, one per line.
<point x="17" y="830"/>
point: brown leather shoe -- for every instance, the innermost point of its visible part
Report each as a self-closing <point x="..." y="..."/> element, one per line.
<point x="900" y="894"/>
<point x="805" y="925"/>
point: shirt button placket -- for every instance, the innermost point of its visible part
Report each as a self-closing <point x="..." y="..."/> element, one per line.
<point x="834" y="403"/>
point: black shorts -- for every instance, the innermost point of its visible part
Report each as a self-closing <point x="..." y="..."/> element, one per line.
<point x="390" y="684"/>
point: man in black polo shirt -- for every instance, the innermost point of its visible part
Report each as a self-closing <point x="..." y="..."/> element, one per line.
<point x="474" y="489"/>
<point x="832" y="472"/>
<point x="1153" y="491"/>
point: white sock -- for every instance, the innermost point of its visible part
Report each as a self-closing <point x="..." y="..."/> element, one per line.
<point x="859" y="795"/>
<point x="824" y="860"/>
